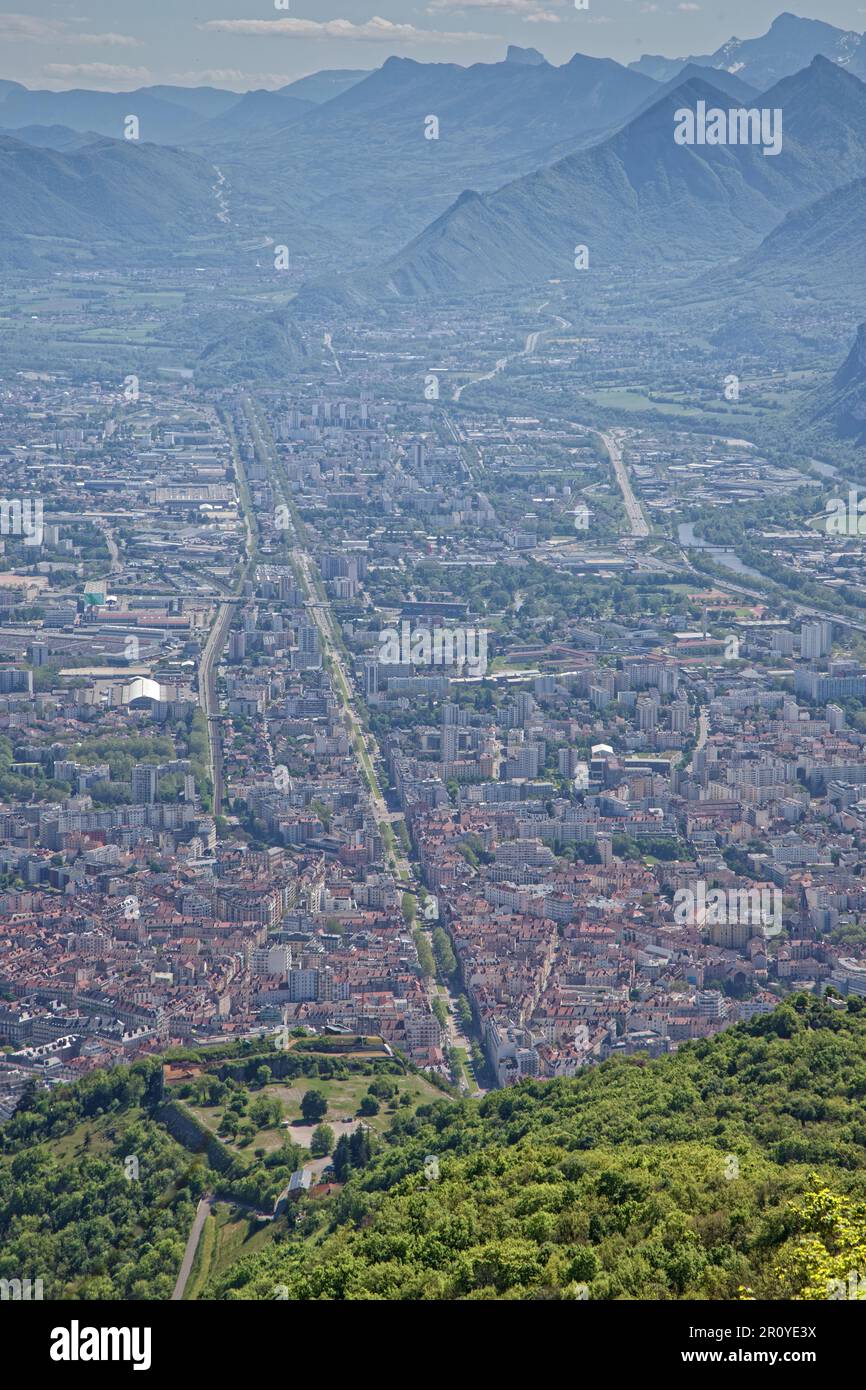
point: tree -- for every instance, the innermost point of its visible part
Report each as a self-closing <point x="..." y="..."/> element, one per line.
<point x="369" y="1105"/>
<point x="342" y="1158"/>
<point x="425" y="953"/>
<point x="446" y="961"/>
<point x="314" y="1107"/>
<point x="266" y="1111"/>
<point x="382" y="1088"/>
<point x="360" y="1150"/>
<point x="322" y="1141"/>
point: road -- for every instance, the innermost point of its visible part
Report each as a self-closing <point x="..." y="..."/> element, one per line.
<point x="318" y="604"/>
<point x="362" y="741"/>
<point x="202" y="1212"/>
<point x="501" y="364"/>
<point x="703" y="734"/>
<point x="456" y="1038"/>
<point x="529" y="347"/>
<point x="111" y="545"/>
<point x="329" y="345"/>
<point x="636" y="519"/>
<point x="207" y="698"/>
<point x="800" y="610"/>
<point x="219" y="192"/>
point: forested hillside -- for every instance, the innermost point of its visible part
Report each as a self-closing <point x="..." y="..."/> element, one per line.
<point x="99" y="1180"/>
<point x="733" y="1169"/>
<point x="75" y="1210"/>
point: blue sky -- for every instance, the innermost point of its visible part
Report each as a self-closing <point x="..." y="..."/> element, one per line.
<point x="121" y="44"/>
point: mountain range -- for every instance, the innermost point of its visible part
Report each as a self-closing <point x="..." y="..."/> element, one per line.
<point x="530" y="160"/>
<point x="638" y="199"/>
<point x="370" y="168"/>
<point x="167" y="114"/>
<point x="108" y="191"/>
<point x="818" y="248"/>
<point x="788" y="45"/>
<point x="527" y="160"/>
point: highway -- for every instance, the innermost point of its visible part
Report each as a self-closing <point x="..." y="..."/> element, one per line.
<point x="330" y="347"/>
<point x="501" y="364"/>
<point x="111" y="544"/>
<point x="529" y="347"/>
<point x="636" y="519"/>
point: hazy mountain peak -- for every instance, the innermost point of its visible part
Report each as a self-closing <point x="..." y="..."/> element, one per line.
<point x="527" y="56"/>
<point x="822" y="64"/>
<point x="396" y="63"/>
<point x="786" y="21"/>
<point x="320" y="87"/>
<point x="790" y="43"/>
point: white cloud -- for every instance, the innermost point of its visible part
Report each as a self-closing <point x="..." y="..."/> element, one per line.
<point x="688" y="9"/>
<point x="532" y="10"/>
<point x="373" y="30"/>
<point x="23" y="28"/>
<point x="110" y="40"/>
<point x="96" y="72"/>
<point x="229" y="77"/>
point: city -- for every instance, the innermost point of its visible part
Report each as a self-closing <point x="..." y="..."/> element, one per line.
<point x="432" y="721"/>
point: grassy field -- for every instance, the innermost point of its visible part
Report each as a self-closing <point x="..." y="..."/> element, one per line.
<point x="622" y="398"/>
<point x="88" y="1137"/>
<point x="226" y="1236"/>
<point x="343" y="1097"/>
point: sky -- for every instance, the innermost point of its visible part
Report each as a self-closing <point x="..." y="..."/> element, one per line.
<point x="123" y="44"/>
